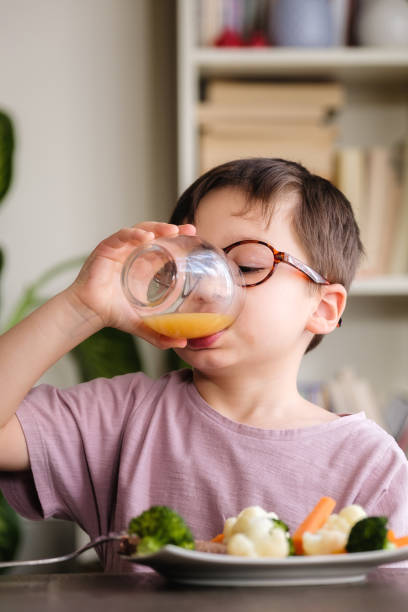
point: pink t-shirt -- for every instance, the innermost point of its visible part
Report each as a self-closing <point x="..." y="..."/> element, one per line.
<point x="104" y="451"/>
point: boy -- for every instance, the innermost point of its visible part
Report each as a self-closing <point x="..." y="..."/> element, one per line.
<point x="232" y="432"/>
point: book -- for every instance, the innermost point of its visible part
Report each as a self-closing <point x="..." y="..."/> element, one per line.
<point x="325" y="96"/>
<point x="384" y="198"/>
<point x="373" y="180"/>
<point x="208" y="113"/>
<point x="341" y="14"/>
<point x="244" y="118"/>
<point x="216" y="149"/>
<point x="377" y="163"/>
<point x="309" y="143"/>
<point x="234" y="14"/>
<point x="307" y="133"/>
<point x="398" y="263"/>
<point x="351" y="179"/>
<point x="394" y="210"/>
<point x="210" y="21"/>
<point x="247" y="20"/>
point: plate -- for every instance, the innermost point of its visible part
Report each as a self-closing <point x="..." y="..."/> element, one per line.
<point x="193" y="567"/>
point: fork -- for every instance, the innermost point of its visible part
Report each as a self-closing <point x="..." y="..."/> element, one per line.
<point x="72" y="555"/>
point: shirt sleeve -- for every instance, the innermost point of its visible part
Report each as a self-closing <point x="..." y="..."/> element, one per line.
<point x="392" y="500"/>
<point x="74" y="439"/>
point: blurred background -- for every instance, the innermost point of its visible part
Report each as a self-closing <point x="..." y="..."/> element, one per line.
<point x="90" y="86"/>
<point x="117" y="105"/>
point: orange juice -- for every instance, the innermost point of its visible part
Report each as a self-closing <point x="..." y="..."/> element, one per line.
<point x="189" y="324"/>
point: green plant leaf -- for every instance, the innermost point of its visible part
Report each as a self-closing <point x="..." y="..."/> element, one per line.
<point x="2" y="259"/>
<point x="31" y="298"/>
<point x="9" y="531"/>
<point x="6" y="153"/>
<point x="110" y="352"/>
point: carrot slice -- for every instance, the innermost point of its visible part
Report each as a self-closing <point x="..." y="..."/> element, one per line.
<point x="218" y="538"/>
<point x="397" y="541"/>
<point x="401" y="541"/>
<point x="313" y="522"/>
<point x="391" y="536"/>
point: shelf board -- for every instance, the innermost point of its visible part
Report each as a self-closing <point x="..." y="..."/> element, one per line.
<point x="347" y="63"/>
<point x="392" y="285"/>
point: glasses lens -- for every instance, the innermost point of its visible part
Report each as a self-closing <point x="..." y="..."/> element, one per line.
<point x="254" y="260"/>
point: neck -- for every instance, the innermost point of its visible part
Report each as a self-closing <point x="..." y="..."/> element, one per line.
<point x="263" y="396"/>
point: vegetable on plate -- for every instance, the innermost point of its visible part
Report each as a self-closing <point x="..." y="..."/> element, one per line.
<point x="157" y="527"/>
<point x="255" y="532"/>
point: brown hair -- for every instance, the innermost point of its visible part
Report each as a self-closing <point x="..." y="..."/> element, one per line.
<point x="323" y="219"/>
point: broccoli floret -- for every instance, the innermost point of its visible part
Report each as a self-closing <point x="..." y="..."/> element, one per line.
<point x="368" y="534"/>
<point x="281" y="525"/>
<point x="158" y="526"/>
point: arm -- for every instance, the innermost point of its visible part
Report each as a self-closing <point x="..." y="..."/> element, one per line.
<point x="26" y="352"/>
<point x="93" y="301"/>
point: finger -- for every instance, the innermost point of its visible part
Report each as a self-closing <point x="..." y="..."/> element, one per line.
<point x="187" y="229"/>
<point x="159" y="340"/>
<point x="165" y="342"/>
<point x="159" y="228"/>
<point x="126" y="236"/>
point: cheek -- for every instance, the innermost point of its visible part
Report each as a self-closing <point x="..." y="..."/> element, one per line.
<point x="258" y="318"/>
<point x="273" y="312"/>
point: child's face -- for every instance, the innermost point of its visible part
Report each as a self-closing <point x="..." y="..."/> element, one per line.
<point x="271" y="328"/>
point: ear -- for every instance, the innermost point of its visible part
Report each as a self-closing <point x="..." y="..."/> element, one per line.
<point x="330" y="306"/>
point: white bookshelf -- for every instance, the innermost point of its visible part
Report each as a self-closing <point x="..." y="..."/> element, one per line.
<point x="344" y="63"/>
<point x="392" y="285"/>
<point x="376" y="82"/>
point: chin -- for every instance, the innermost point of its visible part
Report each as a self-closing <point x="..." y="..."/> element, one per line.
<point x="206" y="360"/>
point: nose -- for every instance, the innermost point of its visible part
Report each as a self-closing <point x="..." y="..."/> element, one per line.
<point x="200" y="296"/>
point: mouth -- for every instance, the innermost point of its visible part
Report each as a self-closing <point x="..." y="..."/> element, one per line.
<point x="204" y="342"/>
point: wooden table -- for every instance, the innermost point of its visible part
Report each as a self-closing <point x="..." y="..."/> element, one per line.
<point x="386" y="590"/>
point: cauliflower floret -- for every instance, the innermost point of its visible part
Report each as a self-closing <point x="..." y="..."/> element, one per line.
<point x="228" y="526"/>
<point x="352" y="514"/>
<point x="345" y="520"/>
<point x="324" y="542"/>
<point x="259" y="528"/>
<point x="275" y="544"/>
<point x="335" y="522"/>
<point x="240" y="544"/>
<point x="333" y="536"/>
<point x="253" y="533"/>
<point x="245" y="518"/>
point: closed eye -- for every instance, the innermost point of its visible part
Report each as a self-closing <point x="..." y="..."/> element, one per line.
<point x="248" y="269"/>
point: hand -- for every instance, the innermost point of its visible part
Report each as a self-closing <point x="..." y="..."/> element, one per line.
<point x="97" y="293"/>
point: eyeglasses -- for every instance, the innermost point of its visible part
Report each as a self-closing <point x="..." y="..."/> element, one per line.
<point x="257" y="261"/>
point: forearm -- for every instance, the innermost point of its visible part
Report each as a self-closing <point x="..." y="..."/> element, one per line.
<point x="30" y="348"/>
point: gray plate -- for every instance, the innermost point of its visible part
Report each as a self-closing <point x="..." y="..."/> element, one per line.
<point x="193" y="567"/>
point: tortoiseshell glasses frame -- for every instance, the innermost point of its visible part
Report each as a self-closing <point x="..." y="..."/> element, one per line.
<point x="278" y="257"/>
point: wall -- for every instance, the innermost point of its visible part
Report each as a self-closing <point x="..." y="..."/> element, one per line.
<point x="90" y="85"/>
<point x="91" y="92"/>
